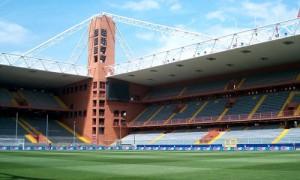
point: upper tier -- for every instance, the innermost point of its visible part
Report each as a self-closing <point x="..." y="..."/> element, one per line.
<point x="31" y="99"/>
<point x="218" y="86"/>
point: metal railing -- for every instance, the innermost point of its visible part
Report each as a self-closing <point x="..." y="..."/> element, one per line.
<point x="191" y="140"/>
<point x="55" y="140"/>
<point x="237" y="40"/>
<point x="42" y="64"/>
<point x="212" y="119"/>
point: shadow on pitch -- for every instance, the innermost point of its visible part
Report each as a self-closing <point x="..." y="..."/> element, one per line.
<point x="7" y="176"/>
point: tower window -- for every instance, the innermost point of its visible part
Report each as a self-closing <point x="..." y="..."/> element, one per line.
<point x="102" y="58"/>
<point x="96" y="32"/>
<point x="95" y="84"/>
<point x="95" y="50"/>
<point x="96" y="41"/>
<point x="102" y="85"/>
<point x="103" y="32"/>
<point x="95" y="59"/>
<point x="102" y="49"/>
<point x="103" y="41"/>
<point x="101" y="130"/>
<point x="94" y="130"/>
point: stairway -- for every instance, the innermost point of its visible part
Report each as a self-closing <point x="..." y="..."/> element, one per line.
<point x="153" y="115"/>
<point x="259" y="103"/>
<point x="78" y="136"/>
<point x="209" y="137"/>
<point x="198" y="111"/>
<point x="60" y="102"/>
<point x="41" y="138"/>
<point x="280" y="136"/>
<point x="288" y="100"/>
<point x="20" y="99"/>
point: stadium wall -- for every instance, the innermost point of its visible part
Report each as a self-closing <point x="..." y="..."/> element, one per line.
<point x="77" y="101"/>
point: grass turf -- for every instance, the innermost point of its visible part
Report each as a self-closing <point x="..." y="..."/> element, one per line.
<point x="149" y="165"/>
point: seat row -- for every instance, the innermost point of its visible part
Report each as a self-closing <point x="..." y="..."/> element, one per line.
<point x="246" y="107"/>
<point x="244" y="135"/>
<point x="196" y="88"/>
<point x="32" y="99"/>
<point x="35" y="126"/>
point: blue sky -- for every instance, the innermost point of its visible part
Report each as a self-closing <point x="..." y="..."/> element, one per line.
<point x="26" y="23"/>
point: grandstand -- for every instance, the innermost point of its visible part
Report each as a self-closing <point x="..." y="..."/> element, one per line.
<point x="33" y="109"/>
<point x="247" y="90"/>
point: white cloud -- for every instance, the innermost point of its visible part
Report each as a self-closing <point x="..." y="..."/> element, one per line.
<point x="12" y="33"/>
<point x="141" y="5"/>
<point x="219" y="15"/>
<point x="148" y="36"/>
<point x="172" y="5"/>
<point x="171" y="41"/>
<point x="269" y="12"/>
<point x="248" y="14"/>
<point x="263" y="13"/>
<point x="176" y="6"/>
<point x="219" y="30"/>
<point x="144" y="5"/>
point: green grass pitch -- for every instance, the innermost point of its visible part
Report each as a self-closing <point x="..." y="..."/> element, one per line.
<point x="149" y="165"/>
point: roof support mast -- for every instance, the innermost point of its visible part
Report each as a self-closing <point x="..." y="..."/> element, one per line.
<point x="156" y="27"/>
<point x="124" y="45"/>
<point x="130" y="21"/>
<point x="55" y="39"/>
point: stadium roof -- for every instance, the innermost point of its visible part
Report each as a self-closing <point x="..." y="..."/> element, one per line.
<point x="26" y="77"/>
<point x="262" y="47"/>
<point x="282" y="51"/>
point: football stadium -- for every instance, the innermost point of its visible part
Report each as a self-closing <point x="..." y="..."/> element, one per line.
<point x="225" y="107"/>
